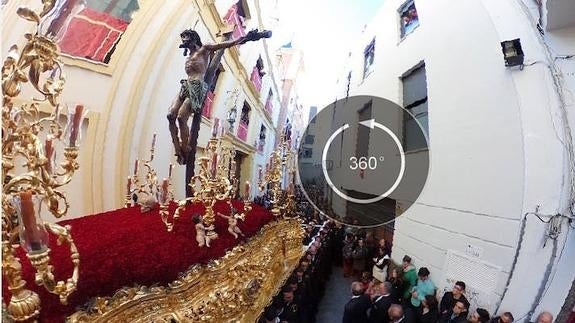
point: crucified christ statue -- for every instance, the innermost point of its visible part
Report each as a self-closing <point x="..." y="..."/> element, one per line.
<point x="193" y="90"/>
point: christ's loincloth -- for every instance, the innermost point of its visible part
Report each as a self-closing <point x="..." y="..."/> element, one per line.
<point x="196" y="91"/>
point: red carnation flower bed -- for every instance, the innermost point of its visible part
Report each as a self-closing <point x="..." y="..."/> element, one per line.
<point x="125" y="247"/>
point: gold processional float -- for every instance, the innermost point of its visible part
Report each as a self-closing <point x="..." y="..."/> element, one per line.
<point x="236" y="287"/>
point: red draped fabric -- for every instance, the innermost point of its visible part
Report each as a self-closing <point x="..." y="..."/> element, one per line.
<point x="92" y="34"/>
<point x="256" y="78"/>
<point x="243" y="131"/>
<point x="232" y="17"/>
<point x="125" y="247"/>
<point x="208" y="103"/>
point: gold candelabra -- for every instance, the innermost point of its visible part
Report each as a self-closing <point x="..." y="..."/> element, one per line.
<point x="144" y="186"/>
<point x="281" y="164"/>
<point x="30" y="174"/>
<point x="247" y="199"/>
<point x="213" y="182"/>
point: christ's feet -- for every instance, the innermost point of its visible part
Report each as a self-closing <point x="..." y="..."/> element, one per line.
<point x="180" y="157"/>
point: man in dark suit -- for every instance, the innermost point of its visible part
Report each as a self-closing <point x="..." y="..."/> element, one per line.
<point x="397" y="314"/>
<point x="458" y="314"/>
<point x="382" y="300"/>
<point x="355" y="310"/>
<point x="291" y="310"/>
<point x="449" y="298"/>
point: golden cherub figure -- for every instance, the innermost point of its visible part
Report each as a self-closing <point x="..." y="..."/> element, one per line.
<point x="233" y="228"/>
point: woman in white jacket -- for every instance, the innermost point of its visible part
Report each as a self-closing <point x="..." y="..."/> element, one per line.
<point x="381" y="264"/>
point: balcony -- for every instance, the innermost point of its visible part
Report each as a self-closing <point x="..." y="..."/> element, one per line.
<point x="208" y="105"/>
<point x="233" y="18"/>
<point x="256" y="79"/>
<point x="243" y="131"/>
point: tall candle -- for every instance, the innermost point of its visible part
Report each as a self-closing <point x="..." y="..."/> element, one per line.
<point x="29" y="220"/>
<point x="165" y="184"/>
<point x="215" y="127"/>
<point x="49" y="148"/>
<point x="154" y="141"/>
<point x="214" y="165"/>
<point x="260" y="173"/>
<point x="57" y="112"/>
<point x="247" y="188"/>
<point x="129" y="187"/>
<point x="136" y="167"/>
<point x="76" y="124"/>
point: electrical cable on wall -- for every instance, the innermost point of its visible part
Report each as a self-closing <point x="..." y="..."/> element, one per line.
<point x="551" y="233"/>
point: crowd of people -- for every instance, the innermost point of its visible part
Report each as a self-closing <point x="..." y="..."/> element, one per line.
<point x="387" y="293"/>
<point x="299" y="298"/>
<point x="381" y="291"/>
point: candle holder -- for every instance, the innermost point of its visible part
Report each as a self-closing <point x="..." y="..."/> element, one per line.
<point x="272" y="182"/>
<point x="213" y="182"/>
<point x="143" y="186"/>
<point x="163" y="199"/>
<point x="32" y="234"/>
<point x="281" y="165"/>
<point x="247" y="204"/>
<point x="28" y="138"/>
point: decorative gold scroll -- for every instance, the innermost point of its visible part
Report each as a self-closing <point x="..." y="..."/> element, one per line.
<point x="234" y="288"/>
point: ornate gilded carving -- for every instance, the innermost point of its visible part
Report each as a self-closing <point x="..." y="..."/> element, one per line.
<point x="234" y="288"/>
<point x="29" y="168"/>
<point x="281" y="166"/>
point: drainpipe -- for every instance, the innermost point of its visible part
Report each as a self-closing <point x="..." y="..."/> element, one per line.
<point x="568" y="145"/>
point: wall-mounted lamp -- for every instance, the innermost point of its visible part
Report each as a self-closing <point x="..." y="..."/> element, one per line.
<point x="232" y="115"/>
<point x="512" y="52"/>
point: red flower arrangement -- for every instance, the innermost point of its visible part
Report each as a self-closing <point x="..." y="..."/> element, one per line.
<point x="125" y="247"/>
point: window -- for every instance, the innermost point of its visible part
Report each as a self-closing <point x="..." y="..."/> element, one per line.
<point x="312" y="113"/>
<point x="262" y="138"/>
<point x="368" y="56"/>
<point x="91" y="29"/>
<point x="245" y="117"/>
<point x="415" y="101"/>
<point x="362" y="143"/>
<point x="244" y="122"/>
<point x="409" y="18"/>
<point x="309" y="139"/>
<point x="258" y="73"/>
<point x="348" y="86"/>
<point x="287" y="130"/>
<point x="236" y="17"/>
<point x="269" y="104"/>
<point x="307" y="152"/>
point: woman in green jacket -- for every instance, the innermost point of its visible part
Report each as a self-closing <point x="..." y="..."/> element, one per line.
<point x="409" y="277"/>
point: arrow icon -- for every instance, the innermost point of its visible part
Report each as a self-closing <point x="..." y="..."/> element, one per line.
<point x="368" y="123"/>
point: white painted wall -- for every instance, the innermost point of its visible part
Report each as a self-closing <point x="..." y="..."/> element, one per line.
<point x="493" y="140"/>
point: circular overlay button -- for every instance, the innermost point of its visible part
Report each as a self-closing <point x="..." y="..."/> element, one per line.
<point x="364" y="160"/>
